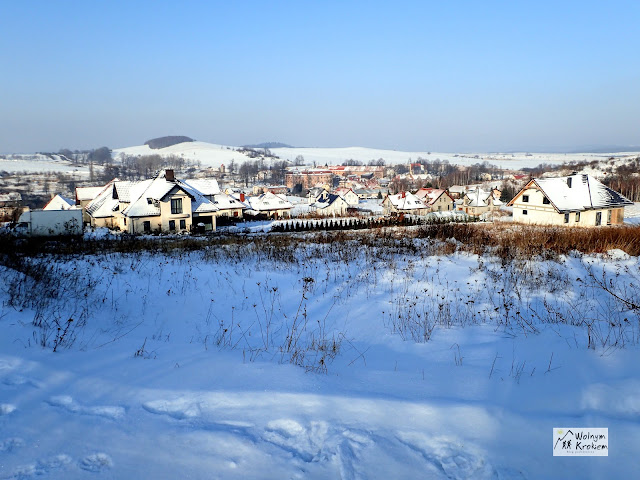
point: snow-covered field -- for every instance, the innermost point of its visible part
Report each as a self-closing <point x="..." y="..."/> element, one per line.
<point x="209" y="364"/>
<point x="39" y="164"/>
<point x="213" y="155"/>
<point x="515" y="161"/>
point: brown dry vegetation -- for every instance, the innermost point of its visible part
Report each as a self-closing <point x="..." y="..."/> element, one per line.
<point x="503" y="240"/>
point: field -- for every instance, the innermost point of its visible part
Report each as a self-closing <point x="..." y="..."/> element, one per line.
<point x="436" y="352"/>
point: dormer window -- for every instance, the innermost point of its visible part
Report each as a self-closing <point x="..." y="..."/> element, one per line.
<point x="150" y="201"/>
<point x="545" y="200"/>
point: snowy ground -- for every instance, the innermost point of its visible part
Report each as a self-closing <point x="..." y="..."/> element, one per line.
<point x="208" y="365"/>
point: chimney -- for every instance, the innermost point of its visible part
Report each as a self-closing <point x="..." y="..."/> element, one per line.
<point x="169" y="176"/>
<point x="242" y="197"/>
<point x="404" y="194"/>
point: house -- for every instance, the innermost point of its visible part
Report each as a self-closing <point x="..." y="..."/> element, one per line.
<point x="228" y="205"/>
<point x="404" y="202"/>
<point x="349" y="195"/>
<point x="330" y="204"/>
<point x="270" y="205"/>
<point x="10" y="206"/>
<point x="479" y="201"/>
<point x="437" y="199"/>
<point x="578" y="200"/>
<point x="166" y="204"/>
<point x="59" y="202"/>
<point x="84" y="195"/>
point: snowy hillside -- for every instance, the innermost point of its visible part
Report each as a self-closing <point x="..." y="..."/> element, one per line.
<point x="210" y="364"/>
<point x="335" y="156"/>
<point x="37" y="163"/>
<point x="208" y="154"/>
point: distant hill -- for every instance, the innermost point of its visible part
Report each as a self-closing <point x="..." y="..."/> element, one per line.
<point x="269" y="145"/>
<point x="164" y="142"/>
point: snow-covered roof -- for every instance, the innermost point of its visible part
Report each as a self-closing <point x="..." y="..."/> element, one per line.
<point x="406" y="201"/>
<point x="60" y="203"/>
<point x="480" y="198"/>
<point x="430" y="195"/>
<point x="328" y="199"/>
<point x="103" y="205"/>
<point x="87" y="193"/>
<point x="578" y="192"/>
<point x="123" y="190"/>
<point x="206" y="186"/>
<point x="226" y="202"/>
<point x="268" y="201"/>
<point x="146" y="197"/>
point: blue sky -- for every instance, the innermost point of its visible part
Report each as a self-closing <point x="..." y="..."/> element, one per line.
<point x="441" y="76"/>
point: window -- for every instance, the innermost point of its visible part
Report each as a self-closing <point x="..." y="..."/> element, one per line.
<point x="545" y="200"/>
<point x="172" y="224"/>
<point x="525" y="198"/>
<point x="609" y="217"/>
<point x="524" y="212"/>
<point x="577" y="216"/>
<point x="146" y="226"/>
<point x="566" y="218"/>
<point x="183" y="224"/>
<point x="599" y="218"/>
<point x="176" y="205"/>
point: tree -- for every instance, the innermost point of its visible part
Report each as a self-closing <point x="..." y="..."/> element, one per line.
<point x="101" y="156"/>
<point x="298" y="161"/>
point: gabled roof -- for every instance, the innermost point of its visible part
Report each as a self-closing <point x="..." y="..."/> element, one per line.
<point x="268" y="201"/>
<point x="480" y="198"/>
<point x="87" y="193"/>
<point x="430" y="195"/>
<point x="406" y="201"/>
<point x="104" y="204"/>
<point x="206" y="186"/>
<point x="226" y="202"/>
<point x="146" y="197"/>
<point x="327" y="200"/>
<point x="60" y="203"/>
<point x="576" y="193"/>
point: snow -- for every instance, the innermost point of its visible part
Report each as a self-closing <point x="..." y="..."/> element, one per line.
<point x="181" y="370"/>
<point x="208" y="154"/>
<point x="584" y="193"/>
<point x="515" y="161"/>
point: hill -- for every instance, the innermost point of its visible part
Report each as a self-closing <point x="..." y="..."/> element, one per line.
<point x="164" y="142"/>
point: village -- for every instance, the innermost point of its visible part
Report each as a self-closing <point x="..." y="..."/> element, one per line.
<point x="210" y="199"/>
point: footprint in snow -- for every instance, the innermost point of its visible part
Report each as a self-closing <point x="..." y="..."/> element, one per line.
<point x="42" y="467"/>
<point x="68" y="403"/>
<point x="450" y="457"/>
<point x="318" y="442"/>
<point x="19" y="380"/>
<point x="96" y="462"/>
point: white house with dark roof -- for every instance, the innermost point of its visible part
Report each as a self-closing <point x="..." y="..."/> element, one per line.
<point x="577" y="200"/>
<point x="330" y="204"/>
